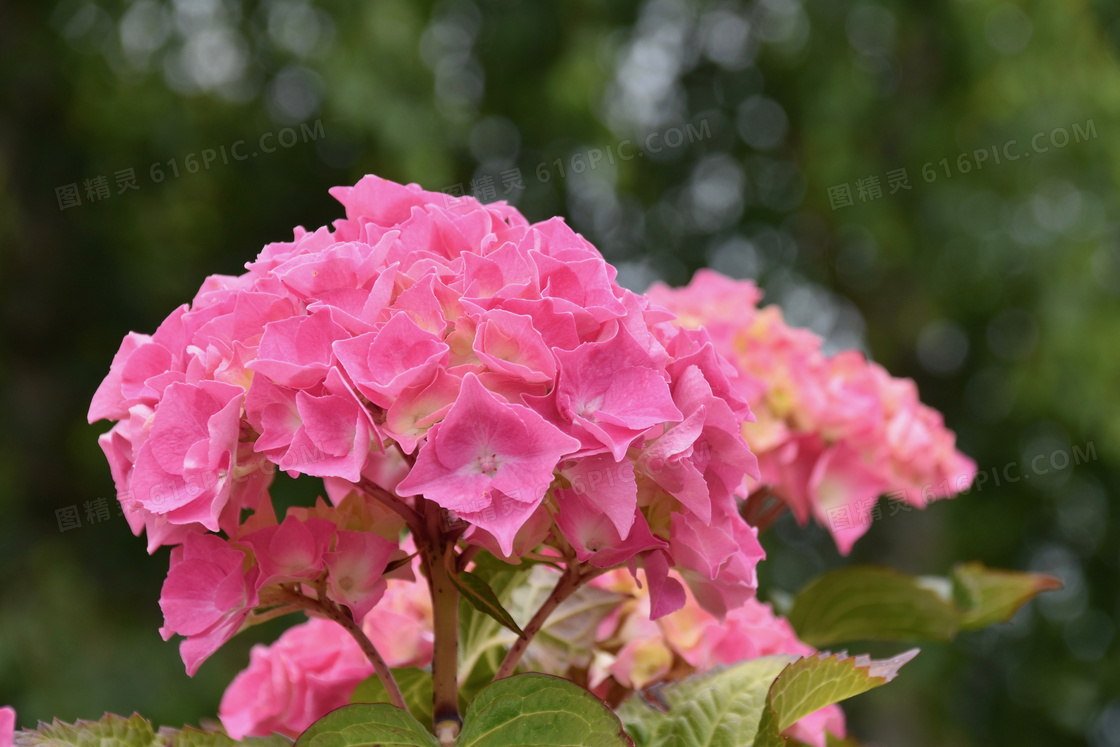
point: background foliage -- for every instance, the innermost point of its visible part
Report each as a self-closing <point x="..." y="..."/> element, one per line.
<point x="996" y="289"/>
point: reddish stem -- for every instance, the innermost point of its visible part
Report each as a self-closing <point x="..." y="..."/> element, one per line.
<point x="570" y="581"/>
<point x="767" y="519"/>
<point x="438" y="553"/>
<point x="762" y="508"/>
<point x="342" y="616"/>
<point x="408" y="513"/>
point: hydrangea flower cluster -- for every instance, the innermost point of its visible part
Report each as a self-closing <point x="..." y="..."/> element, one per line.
<point x="448" y="368"/>
<point x="831" y="434"/>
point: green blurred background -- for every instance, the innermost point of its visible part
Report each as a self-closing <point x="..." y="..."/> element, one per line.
<point x="994" y="284"/>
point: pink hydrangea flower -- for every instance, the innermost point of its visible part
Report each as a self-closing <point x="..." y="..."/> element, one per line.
<point x="310" y="670"/>
<point x="356" y="566"/>
<point x="314" y="667"/>
<point x="452" y="365"/>
<point x="595" y="537"/>
<point x="7" y="726"/>
<point x="295" y="550"/>
<point x="401" y="625"/>
<point x="206" y="597"/>
<point x="831" y="434"/>
<point x="445" y="353"/>
<point x="184" y="469"/>
<point x="649" y="652"/>
<point x="488" y="460"/>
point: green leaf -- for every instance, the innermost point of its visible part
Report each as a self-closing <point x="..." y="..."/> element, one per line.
<point x="986" y="596"/>
<point x="830" y="741"/>
<point x="538" y="710"/>
<point x="531" y="710"/>
<point x="482" y="640"/>
<point x="482" y="598"/>
<point x="875" y="603"/>
<point x="754" y="702"/>
<point x="117" y="731"/>
<point x="134" y="731"/>
<point x="415" y="685"/>
<point x="813" y="682"/>
<point x="190" y="737"/>
<point x="367" y="725"/>
<point x="834" y="742"/>
<point x="870" y="603"/>
<point x="721" y="708"/>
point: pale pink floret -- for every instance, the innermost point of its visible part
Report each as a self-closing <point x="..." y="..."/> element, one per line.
<point x="585" y="283"/>
<point x="610" y="391"/>
<point x="314" y="667"/>
<point x="420" y="407"/>
<point x="717" y="561"/>
<point x="383" y="364"/>
<point x="293" y="551"/>
<point x="666" y="593"/>
<point x="296" y="352"/>
<point x="401" y="624"/>
<point x="648" y="650"/>
<point x="641" y="662"/>
<point x="356" y="566"/>
<point x="528" y="538"/>
<point x="832" y="433"/>
<point x="489" y="460"/>
<point x="668" y="460"/>
<point x="509" y="344"/>
<point x="310" y="670"/>
<point x="109" y="399"/>
<point x="184" y="470"/>
<point x="608" y="485"/>
<point x="840" y="479"/>
<point x="595" y="537"/>
<point x="206" y="596"/>
<point x="336" y="433"/>
<point x="272" y="411"/>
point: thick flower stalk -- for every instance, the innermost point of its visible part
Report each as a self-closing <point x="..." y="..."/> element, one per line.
<point x="832" y="434"/>
<point x="457" y="377"/>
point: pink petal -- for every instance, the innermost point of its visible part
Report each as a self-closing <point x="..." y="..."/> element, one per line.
<point x="608" y="484"/>
<point x="296" y="352"/>
<point x="355" y="566"/>
<point x="485" y="444"/>
<point x="383" y="364"/>
<point x="666" y="594"/>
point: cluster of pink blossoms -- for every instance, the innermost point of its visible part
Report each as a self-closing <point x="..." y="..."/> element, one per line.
<point x="422" y="352"/>
<point x="633" y="652"/>
<point x="831" y="434"/>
